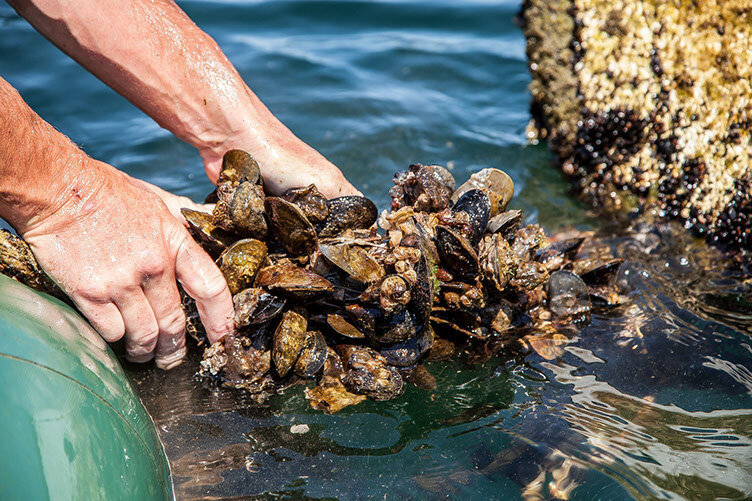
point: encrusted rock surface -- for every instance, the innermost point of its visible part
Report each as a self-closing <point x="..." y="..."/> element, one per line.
<point x="649" y="102"/>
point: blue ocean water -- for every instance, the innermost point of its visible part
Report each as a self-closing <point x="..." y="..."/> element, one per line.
<point x="650" y="402"/>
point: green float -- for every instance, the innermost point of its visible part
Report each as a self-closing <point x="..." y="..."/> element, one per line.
<point x="72" y="427"/>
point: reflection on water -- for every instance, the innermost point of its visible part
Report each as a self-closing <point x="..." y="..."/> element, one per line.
<point x="651" y="400"/>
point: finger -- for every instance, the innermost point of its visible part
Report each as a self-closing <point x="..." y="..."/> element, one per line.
<point x="105" y="318"/>
<point x="203" y="281"/>
<point x="164" y="299"/>
<point x="141" y="329"/>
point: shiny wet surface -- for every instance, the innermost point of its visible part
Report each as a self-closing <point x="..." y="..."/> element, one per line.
<point x="651" y="400"/>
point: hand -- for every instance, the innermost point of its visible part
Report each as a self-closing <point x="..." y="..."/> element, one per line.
<point x="286" y="162"/>
<point x="117" y="251"/>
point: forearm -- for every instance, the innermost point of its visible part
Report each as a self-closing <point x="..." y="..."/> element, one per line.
<point x="41" y="170"/>
<point x="156" y="57"/>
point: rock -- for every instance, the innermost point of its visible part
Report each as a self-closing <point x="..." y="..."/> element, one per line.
<point x="647" y="103"/>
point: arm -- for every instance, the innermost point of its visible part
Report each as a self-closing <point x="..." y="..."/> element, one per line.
<point x="107" y="239"/>
<point x="158" y="59"/>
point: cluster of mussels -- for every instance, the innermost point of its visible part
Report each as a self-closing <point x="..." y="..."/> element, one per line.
<point x="319" y="293"/>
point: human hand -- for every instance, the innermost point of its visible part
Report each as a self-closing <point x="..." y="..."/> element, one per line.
<point x="285" y="161"/>
<point x="117" y="250"/>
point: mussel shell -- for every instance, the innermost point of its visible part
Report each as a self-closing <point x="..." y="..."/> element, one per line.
<point x="212" y="239"/>
<point x="312" y="356"/>
<point x="495" y="183"/>
<point x="342" y="327"/>
<point x="240" y="263"/>
<point x="563" y="248"/>
<point x="456" y="253"/>
<point x="364" y="318"/>
<point x="290" y="280"/>
<point x="498" y="264"/>
<point x="367" y="372"/>
<point x="601" y="274"/>
<point x="396" y="328"/>
<point x="353" y="260"/>
<point x="353" y="212"/>
<point x="256" y="306"/>
<point x="477" y="206"/>
<point x="290" y="226"/>
<point x="288" y="341"/>
<point x="505" y="223"/>
<point x="311" y="202"/>
<point x="246" y="210"/>
<point x="408" y="352"/>
<point x="238" y="165"/>
<point x="568" y="295"/>
<point x="422" y="292"/>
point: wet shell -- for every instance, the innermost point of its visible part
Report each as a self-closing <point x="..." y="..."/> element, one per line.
<point x="290" y="226"/>
<point x="288" y="341"/>
<point x="598" y="273"/>
<point x="408" y="352"/>
<point x="343" y="327"/>
<point x="256" y="306"/>
<point x="246" y="210"/>
<point x="495" y="183"/>
<point x="367" y="372"/>
<point x="554" y="256"/>
<point x="505" y="223"/>
<point x="237" y="166"/>
<point x="351" y="212"/>
<point x="498" y="264"/>
<point x="290" y="280"/>
<point x="353" y="260"/>
<point x="311" y="202"/>
<point x="240" y="262"/>
<point x="437" y="184"/>
<point x="456" y="253"/>
<point x="312" y="356"/>
<point x="211" y="238"/>
<point x="568" y="295"/>
<point x="396" y="328"/>
<point x="529" y="275"/>
<point x="476" y="205"/>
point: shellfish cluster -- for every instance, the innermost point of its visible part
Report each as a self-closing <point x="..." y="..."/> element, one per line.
<point x="320" y="293"/>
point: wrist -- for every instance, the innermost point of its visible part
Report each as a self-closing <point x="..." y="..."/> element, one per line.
<point x="65" y="197"/>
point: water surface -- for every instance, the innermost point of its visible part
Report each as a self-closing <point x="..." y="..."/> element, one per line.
<point x="649" y="401"/>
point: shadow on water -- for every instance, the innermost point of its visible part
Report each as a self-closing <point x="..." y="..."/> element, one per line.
<point x="651" y="400"/>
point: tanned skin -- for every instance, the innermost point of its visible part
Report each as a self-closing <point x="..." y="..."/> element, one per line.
<point x="115" y="244"/>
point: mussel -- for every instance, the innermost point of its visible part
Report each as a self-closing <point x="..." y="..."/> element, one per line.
<point x="312" y="355"/>
<point x="288" y="341"/>
<point x="240" y="262"/>
<point x="495" y="183"/>
<point x="255" y="306"/>
<point x="367" y="372"/>
<point x="456" y="253"/>
<point x="210" y="237"/>
<point x="476" y="204"/>
<point x="290" y="280"/>
<point x="290" y="226"/>
<point x="350" y="212"/>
